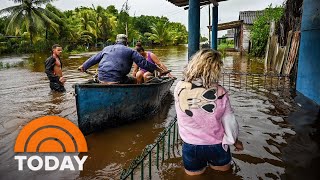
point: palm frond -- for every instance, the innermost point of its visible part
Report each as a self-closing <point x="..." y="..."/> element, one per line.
<point x="51" y="15"/>
<point x="18" y="1"/>
<point x="41" y="2"/>
<point x="14" y="21"/>
<point x="52" y="9"/>
<point x="46" y="20"/>
<point x="11" y="9"/>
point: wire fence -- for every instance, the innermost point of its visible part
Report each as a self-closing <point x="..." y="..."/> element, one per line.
<point x="154" y="154"/>
<point x="168" y="144"/>
<point x="257" y="82"/>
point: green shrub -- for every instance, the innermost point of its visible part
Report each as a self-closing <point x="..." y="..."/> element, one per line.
<point x="261" y="28"/>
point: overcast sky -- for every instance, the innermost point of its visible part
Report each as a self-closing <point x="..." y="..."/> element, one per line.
<point x="228" y="10"/>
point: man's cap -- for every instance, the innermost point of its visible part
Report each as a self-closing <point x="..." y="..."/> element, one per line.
<point x="122" y="38"/>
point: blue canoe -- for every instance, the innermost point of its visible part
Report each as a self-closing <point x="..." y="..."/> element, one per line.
<point x="100" y="106"/>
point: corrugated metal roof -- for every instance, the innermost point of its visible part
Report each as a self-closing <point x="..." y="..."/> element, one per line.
<point x="248" y="17"/>
<point x="182" y="3"/>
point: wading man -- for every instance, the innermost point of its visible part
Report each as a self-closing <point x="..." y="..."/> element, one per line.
<point x="54" y="69"/>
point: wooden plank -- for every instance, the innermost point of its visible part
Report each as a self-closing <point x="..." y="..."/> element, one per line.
<point x="267" y="55"/>
<point x="182" y="3"/>
<point x="269" y="50"/>
<point x="228" y="25"/>
<point x="293" y="52"/>
<point x="286" y="53"/>
<point x="272" y="51"/>
<point x="275" y="53"/>
<point x="279" y="59"/>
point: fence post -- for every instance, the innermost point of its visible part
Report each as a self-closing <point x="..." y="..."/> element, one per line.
<point x="150" y="165"/>
<point x="169" y="132"/>
<point x="142" y="169"/>
<point x="157" y="160"/>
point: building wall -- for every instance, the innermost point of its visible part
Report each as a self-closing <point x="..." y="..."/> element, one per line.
<point x="237" y="39"/>
<point x="246" y="37"/>
<point x="308" y="79"/>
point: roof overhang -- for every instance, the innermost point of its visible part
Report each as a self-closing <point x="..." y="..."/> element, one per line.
<point x="184" y="3"/>
<point x="228" y="25"/>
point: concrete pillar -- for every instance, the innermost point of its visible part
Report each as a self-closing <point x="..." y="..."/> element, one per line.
<point x="193" y="27"/>
<point x="308" y="78"/>
<point x="214" y="36"/>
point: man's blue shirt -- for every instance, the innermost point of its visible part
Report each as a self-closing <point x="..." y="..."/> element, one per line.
<point x="115" y="62"/>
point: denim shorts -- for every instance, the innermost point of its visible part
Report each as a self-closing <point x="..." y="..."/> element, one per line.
<point x="197" y="157"/>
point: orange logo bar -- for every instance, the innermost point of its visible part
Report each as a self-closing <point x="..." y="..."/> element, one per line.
<point x="50" y="134"/>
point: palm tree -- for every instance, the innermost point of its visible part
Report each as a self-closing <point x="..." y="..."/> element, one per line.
<point x="86" y="21"/>
<point x="87" y="25"/>
<point x="113" y="25"/>
<point x="30" y="13"/>
<point x="179" y="34"/>
<point x="160" y="33"/>
<point x="60" y="18"/>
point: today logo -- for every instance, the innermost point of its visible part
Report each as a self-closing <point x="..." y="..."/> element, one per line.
<point x="50" y="134"/>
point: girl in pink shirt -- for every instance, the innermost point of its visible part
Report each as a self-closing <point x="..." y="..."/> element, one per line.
<point x="206" y="121"/>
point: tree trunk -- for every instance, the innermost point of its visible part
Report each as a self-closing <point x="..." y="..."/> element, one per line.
<point x="31" y="37"/>
<point x="46" y="33"/>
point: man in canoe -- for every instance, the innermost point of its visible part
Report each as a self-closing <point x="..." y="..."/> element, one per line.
<point x="53" y="70"/>
<point x="115" y="63"/>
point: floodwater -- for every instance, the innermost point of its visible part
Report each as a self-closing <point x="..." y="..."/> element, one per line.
<point x="281" y="140"/>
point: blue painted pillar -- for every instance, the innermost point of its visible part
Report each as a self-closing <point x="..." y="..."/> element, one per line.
<point x="214" y="36"/>
<point x="308" y="80"/>
<point x="193" y="27"/>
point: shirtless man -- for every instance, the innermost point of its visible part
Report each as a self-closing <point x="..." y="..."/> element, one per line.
<point x="54" y="69"/>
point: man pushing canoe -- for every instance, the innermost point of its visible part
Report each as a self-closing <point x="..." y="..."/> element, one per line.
<point x="115" y="63"/>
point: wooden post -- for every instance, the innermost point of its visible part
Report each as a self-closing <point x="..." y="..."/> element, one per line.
<point x="214" y="42"/>
<point x="194" y="27"/>
<point x="309" y="53"/>
<point x="209" y="25"/>
<point x="241" y="39"/>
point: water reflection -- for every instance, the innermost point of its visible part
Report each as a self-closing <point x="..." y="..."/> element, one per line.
<point x="116" y="147"/>
<point x="25" y="95"/>
<point x="263" y="134"/>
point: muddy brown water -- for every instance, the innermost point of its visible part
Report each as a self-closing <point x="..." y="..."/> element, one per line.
<point x="281" y="140"/>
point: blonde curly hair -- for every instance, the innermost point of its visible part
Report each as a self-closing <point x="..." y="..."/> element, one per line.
<point x="206" y="66"/>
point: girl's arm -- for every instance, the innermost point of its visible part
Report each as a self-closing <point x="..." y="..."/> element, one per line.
<point x="231" y="126"/>
<point x="156" y="60"/>
<point x="135" y="69"/>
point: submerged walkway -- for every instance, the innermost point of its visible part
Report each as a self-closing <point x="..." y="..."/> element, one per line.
<point x="274" y="129"/>
<point x="282" y="143"/>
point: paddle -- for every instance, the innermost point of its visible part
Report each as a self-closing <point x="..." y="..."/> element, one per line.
<point x="86" y="71"/>
<point x="94" y="75"/>
<point x="165" y="72"/>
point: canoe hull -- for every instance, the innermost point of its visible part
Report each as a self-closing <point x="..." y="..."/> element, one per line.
<point x="100" y="106"/>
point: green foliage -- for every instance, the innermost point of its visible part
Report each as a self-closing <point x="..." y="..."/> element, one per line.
<point x="261" y="28"/>
<point x="159" y="30"/>
<point x="79" y="49"/>
<point x="30" y="16"/>
<point x="179" y="33"/>
<point x="142" y="23"/>
<point x="203" y="39"/>
<point x="2" y="25"/>
<point x="80" y="29"/>
<point x="223" y="46"/>
<point x="112" y="10"/>
<point x="160" y="33"/>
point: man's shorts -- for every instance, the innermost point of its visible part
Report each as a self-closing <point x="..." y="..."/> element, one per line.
<point x="56" y="86"/>
<point x="128" y="80"/>
<point x="197" y="157"/>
